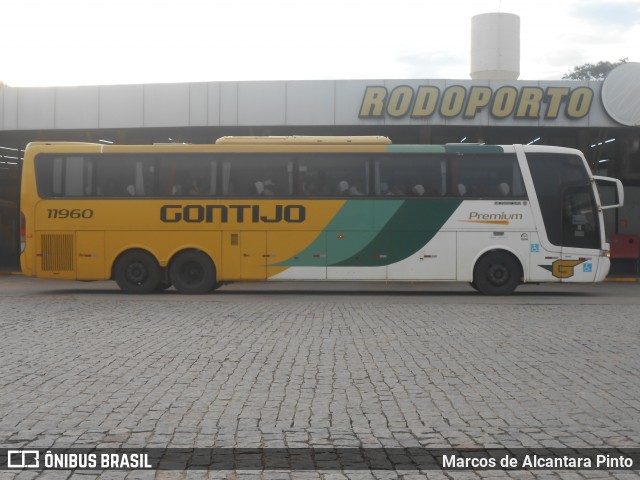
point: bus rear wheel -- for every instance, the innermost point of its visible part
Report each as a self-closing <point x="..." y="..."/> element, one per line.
<point x="497" y="273"/>
<point x="137" y="271"/>
<point x="193" y="273"/>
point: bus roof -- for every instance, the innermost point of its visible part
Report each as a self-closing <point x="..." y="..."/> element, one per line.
<point x="304" y="140"/>
<point x="369" y="143"/>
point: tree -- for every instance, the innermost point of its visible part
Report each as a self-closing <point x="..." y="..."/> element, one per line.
<point x="590" y="71"/>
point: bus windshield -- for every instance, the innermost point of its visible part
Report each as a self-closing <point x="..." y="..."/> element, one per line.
<point x="566" y="199"/>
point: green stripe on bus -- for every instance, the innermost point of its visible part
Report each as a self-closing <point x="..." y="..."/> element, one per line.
<point x="410" y="228"/>
<point x="451" y="148"/>
<point x="358" y="222"/>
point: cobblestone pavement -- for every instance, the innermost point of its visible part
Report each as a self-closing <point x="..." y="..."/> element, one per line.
<point x="84" y="369"/>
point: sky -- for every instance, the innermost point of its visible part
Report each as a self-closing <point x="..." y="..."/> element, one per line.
<point x="97" y="42"/>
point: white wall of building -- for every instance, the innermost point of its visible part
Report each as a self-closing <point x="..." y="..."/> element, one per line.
<point x="275" y="103"/>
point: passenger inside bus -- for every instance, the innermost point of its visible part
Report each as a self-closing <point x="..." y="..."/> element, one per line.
<point x="265" y="188"/>
<point x="356" y="189"/>
<point x="417" y="190"/>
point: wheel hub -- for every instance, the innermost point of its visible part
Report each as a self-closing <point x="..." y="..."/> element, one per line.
<point x="136" y="273"/>
<point x="498" y="274"/>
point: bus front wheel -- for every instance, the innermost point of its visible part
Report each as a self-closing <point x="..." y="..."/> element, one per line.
<point x="137" y="271"/>
<point x="497" y="273"/>
<point x="193" y="273"/>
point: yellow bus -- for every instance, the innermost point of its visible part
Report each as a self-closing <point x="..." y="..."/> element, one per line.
<point x="311" y="208"/>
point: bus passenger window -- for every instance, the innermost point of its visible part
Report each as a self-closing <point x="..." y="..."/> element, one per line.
<point x="115" y="176"/>
<point x="417" y="175"/>
<point x="180" y="176"/>
<point x="49" y="175"/>
<point x="74" y="177"/>
<point x="486" y="175"/>
<point x="255" y="175"/>
<point x="333" y="175"/>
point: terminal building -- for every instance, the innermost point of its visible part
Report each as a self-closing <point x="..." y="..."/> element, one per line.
<point x="600" y="118"/>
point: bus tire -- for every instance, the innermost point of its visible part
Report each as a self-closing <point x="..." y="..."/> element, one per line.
<point x="137" y="271"/>
<point x="497" y="273"/>
<point x="193" y="273"/>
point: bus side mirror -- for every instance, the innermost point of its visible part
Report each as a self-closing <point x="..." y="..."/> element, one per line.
<point x="619" y="191"/>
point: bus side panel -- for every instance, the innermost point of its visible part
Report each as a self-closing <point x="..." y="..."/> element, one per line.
<point x="90" y="261"/>
<point x="434" y="261"/>
<point x="253" y="259"/>
<point x="344" y="253"/>
<point x="229" y="266"/>
<point x="290" y="245"/>
<point x="244" y="256"/>
<point x="540" y="260"/>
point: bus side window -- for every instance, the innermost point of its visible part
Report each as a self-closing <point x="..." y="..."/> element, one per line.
<point x="49" y="175"/>
<point x="417" y="175"/>
<point x="486" y="176"/>
<point x="213" y="178"/>
<point x="334" y="175"/>
<point x="227" y="187"/>
<point x="256" y="175"/>
<point x="115" y="176"/>
<point x="181" y="176"/>
<point x="74" y="177"/>
<point x="139" y="180"/>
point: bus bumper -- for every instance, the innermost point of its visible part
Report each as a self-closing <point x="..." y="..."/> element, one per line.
<point x="603" y="268"/>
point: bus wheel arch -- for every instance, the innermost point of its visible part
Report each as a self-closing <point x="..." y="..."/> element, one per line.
<point x="193" y="272"/>
<point x="497" y="272"/>
<point x="137" y="271"/>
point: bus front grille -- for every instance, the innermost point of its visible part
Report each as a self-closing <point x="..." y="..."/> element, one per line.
<point x="57" y="252"/>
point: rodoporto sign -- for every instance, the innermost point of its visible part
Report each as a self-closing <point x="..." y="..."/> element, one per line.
<point x="507" y="101"/>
